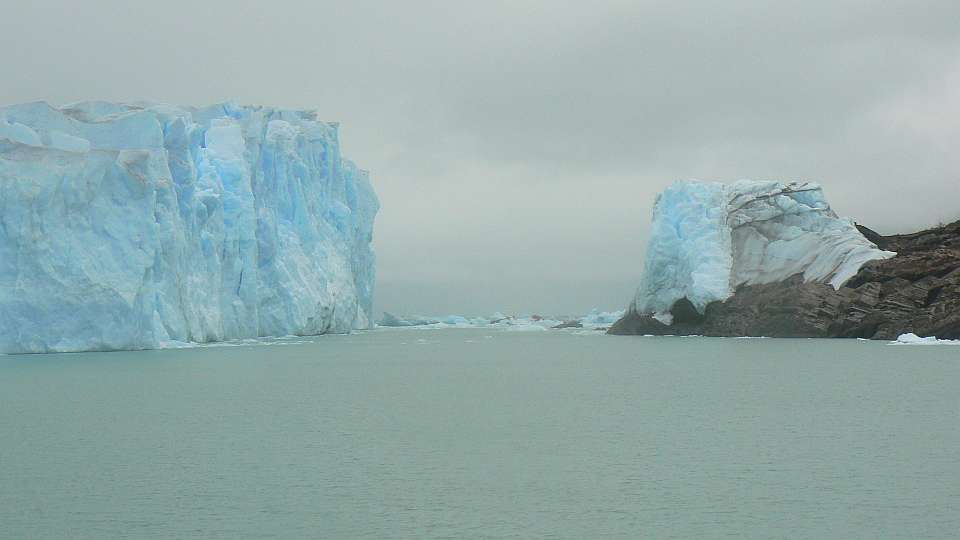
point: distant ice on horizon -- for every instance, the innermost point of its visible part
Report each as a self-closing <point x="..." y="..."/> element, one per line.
<point x="596" y="319"/>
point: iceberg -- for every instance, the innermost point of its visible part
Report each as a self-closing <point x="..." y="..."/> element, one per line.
<point x="127" y="226"/>
<point x="708" y="238"/>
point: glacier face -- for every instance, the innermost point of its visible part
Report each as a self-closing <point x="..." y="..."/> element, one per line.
<point x="708" y="238"/>
<point x="124" y="226"/>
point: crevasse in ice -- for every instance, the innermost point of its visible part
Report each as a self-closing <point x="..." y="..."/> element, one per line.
<point x="708" y="238"/>
<point x="123" y="226"/>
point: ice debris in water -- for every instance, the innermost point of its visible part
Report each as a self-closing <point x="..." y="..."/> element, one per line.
<point x="593" y="320"/>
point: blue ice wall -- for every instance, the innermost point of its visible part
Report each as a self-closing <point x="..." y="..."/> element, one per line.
<point x="128" y="226"/>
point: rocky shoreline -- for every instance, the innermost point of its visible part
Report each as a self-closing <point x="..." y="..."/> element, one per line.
<point x="917" y="291"/>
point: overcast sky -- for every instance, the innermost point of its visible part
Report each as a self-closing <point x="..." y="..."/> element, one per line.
<point x="517" y="146"/>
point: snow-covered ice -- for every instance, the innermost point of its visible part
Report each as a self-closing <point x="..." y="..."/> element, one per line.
<point x="708" y="238"/>
<point x="126" y="226"/>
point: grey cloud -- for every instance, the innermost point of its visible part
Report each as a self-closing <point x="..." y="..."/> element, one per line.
<point x="517" y="145"/>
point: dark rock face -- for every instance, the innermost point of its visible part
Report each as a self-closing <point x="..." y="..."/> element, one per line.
<point x="917" y="291"/>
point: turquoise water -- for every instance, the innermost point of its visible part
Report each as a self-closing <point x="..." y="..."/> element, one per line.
<point x="484" y="434"/>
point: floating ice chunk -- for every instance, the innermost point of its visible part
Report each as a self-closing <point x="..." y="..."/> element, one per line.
<point x="526" y="327"/>
<point x="913" y="339"/>
<point x="391" y="320"/>
<point x="597" y="318"/>
<point x="456" y="320"/>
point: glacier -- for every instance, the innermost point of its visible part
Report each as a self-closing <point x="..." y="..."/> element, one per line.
<point x="708" y="238"/>
<point x="127" y="226"/>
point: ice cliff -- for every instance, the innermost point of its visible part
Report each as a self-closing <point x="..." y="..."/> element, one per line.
<point x="709" y="238"/>
<point x="127" y="226"/>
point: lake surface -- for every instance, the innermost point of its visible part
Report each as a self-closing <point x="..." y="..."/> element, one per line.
<point x="472" y="433"/>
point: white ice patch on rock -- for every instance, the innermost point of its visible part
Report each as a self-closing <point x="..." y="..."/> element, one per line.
<point x="123" y="226"/>
<point x="708" y="238"/>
